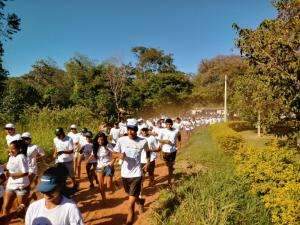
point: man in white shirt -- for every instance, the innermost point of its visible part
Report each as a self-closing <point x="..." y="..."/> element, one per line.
<point x="53" y="208"/>
<point x="115" y="133"/>
<point x="129" y="149"/>
<point x="76" y="142"/>
<point x="168" y="140"/>
<point x="11" y="134"/>
<point x="64" y="153"/>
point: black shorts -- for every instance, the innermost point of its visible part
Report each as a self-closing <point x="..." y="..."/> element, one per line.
<point x="132" y="186"/>
<point x="150" y="169"/>
<point x="169" y="158"/>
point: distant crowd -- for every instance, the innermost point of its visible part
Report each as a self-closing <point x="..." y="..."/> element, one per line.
<point x="134" y="145"/>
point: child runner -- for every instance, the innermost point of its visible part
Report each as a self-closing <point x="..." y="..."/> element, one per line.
<point x="18" y="181"/>
<point x="54" y="207"/>
<point x="11" y="134"/>
<point x="168" y="139"/>
<point x="91" y="163"/>
<point x="115" y="133"/>
<point x="34" y="153"/>
<point x="102" y="152"/>
<point x="63" y="152"/>
<point x="76" y="138"/>
<point x="154" y="147"/>
<point x="129" y="149"/>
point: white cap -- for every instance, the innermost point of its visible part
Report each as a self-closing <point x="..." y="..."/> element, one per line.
<point x="9" y="126"/>
<point x="73" y="126"/>
<point x="140" y="120"/>
<point x="132" y="123"/>
<point x="26" y="135"/>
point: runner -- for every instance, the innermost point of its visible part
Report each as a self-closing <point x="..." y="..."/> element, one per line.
<point x="63" y="152"/>
<point x="154" y="147"/>
<point x="18" y="181"/>
<point x="54" y="207"/>
<point x="11" y="134"/>
<point x="2" y="181"/>
<point x="168" y="139"/>
<point x="91" y="164"/>
<point x="34" y="153"/>
<point x="129" y="149"/>
<point x="102" y="152"/>
<point x="76" y="138"/>
<point x="115" y="133"/>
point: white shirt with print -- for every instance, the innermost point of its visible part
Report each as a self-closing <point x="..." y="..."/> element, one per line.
<point x="170" y="135"/>
<point x="66" y="213"/>
<point x="32" y="152"/>
<point x="104" y="155"/>
<point x="131" y="166"/>
<point x="17" y="164"/>
<point x="65" y="144"/>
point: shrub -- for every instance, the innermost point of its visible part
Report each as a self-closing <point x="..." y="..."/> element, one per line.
<point x="226" y="138"/>
<point x="240" y="126"/>
<point x="274" y="176"/>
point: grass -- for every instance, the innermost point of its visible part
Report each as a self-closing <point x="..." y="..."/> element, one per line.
<point x="252" y="138"/>
<point x="214" y="196"/>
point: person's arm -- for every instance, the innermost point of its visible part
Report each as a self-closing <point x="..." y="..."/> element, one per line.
<point x="117" y="154"/>
<point x="54" y="152"/>
<point x="2" y="179"/>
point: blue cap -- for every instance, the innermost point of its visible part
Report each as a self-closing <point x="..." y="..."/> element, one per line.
<point x="48" y="183"/>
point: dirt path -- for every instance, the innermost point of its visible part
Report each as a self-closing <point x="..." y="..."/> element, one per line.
<point x="113" y="211"/>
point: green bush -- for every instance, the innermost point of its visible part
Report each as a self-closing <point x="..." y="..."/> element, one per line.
<point x="227" y="139"/>
<point x="274" y="176"/>
<point x="240" y="125"/>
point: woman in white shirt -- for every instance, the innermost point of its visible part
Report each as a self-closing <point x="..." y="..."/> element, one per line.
<point x="102" y="151"/>
<point x="18" y="181"/>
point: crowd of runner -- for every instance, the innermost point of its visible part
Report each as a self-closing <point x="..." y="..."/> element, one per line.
<point x="133" y="145"/>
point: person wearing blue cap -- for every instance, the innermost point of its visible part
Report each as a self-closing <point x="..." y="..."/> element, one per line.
<point x="54" y="207"/>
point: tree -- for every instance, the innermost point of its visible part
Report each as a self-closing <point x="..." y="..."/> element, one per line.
<point x="153" y="60"/>
<point x="209" y="81"/>
<point x="272" y="51"/>
<point x="9" y="25"/>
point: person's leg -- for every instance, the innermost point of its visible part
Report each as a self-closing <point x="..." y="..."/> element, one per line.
<point x="70" y="167"/>
<point x="22" y="197"/>
<point x="88" y="168"/>
<point x="101" y="177"/>
<point x="131" y="206"/>
<point x="79" y="161"/>
<point x="151" y="173"/>
<point x="9" y="197"/>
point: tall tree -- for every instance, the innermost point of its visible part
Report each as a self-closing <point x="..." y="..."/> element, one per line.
<point x="272" y="50"/>
<point x="9" y="25"/>
<point x="153" y="60"/>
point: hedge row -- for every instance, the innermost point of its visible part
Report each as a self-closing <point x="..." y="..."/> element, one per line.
<point x="273" y="173"/>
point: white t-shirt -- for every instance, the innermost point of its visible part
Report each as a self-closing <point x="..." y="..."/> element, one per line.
<point x="82" y="140"/>
<point x="75" y="139"/>
<point x="17" y="164"/>
<point x="153" y="145"/>
<point x="66" y="213"/>
<point x="11" y="138"/>
<point x="66" y="144"/>
<point x="170" y="135"/>
<point x="116" y="134"/>
<point x="87" y="152"/>
<point x="32" y="152"/>
<point x="131" y="166"/>
<point x="104" y="155"/>
<point x="178" y="126"/>
<point x="1" y="186"/>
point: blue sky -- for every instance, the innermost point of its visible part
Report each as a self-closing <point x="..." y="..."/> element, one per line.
<point x="190" y="29"/>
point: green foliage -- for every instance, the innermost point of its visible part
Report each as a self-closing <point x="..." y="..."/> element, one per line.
<point x="272" y="50"/>
<point x="209" y="81"/>
<point x="274" y="176"/>
<point x="240" y="125"/>
<point x="216" y="196"/>
<point x="227" y="139"/>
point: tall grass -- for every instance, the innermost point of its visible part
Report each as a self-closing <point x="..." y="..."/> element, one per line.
<point x="214" y="197"/>
<point x="42" y="123"/>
